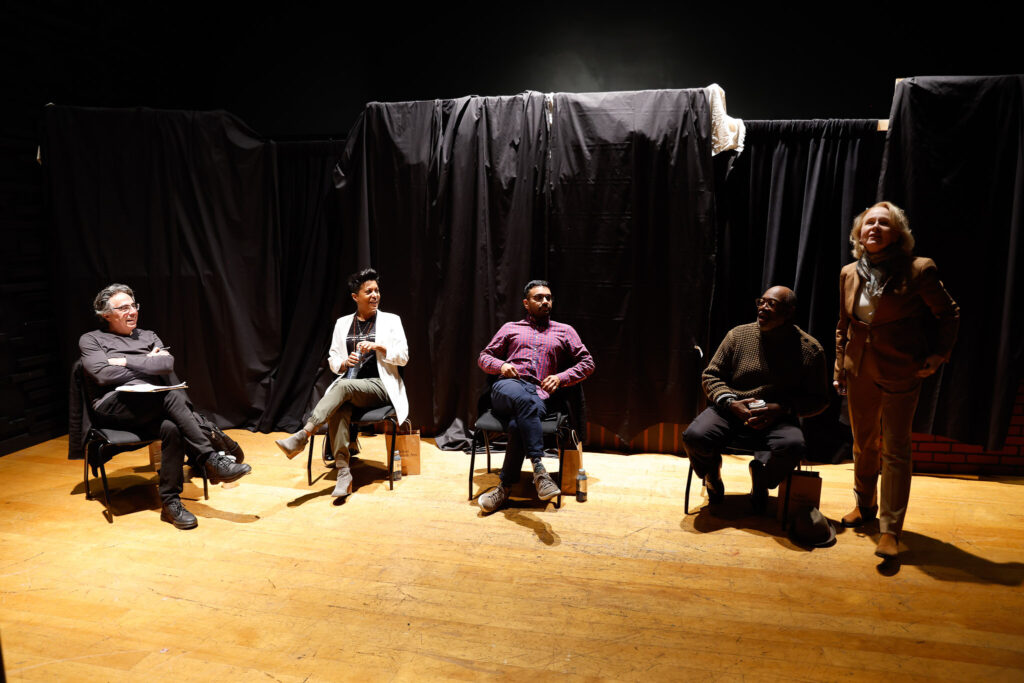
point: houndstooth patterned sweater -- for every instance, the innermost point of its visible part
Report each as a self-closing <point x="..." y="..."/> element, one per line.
<point x="784" y="366"/>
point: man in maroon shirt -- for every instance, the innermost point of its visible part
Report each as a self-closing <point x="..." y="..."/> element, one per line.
<point x="535" y="356"/>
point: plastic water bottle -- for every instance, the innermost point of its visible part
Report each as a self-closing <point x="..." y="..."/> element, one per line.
<point x="396" y="466"/>
<point x="581" y="486"/>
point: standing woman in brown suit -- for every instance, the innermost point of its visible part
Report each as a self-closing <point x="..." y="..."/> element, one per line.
<point x="897" y="325"/>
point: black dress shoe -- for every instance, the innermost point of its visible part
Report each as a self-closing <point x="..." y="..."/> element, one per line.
<point x="175" y="513"/>
<point x="220" y="468"/>
<point x="715" y="487"/>
<point x="758" y="489"/>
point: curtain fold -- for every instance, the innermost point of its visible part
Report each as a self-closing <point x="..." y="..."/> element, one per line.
<point x="954" y="160"/>
<point x="608" y="196"/>
<point x="450" y="192"/>
<point x="316" y="253"/>
<point x="631" y="246"/>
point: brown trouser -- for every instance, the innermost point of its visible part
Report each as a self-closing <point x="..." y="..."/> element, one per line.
<point x="881" y="416"/>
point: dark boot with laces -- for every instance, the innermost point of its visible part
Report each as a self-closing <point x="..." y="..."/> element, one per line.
<point x="175" y="513"/>
<point x="220" y="468"/>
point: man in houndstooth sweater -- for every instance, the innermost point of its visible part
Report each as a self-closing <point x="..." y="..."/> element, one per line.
<point x="764" y="376"/>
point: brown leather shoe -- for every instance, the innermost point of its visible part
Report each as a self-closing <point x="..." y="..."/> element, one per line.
<point x="857" y="517"/>
<point x="888" y="547"/>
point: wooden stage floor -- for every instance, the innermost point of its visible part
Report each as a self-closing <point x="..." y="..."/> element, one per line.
<point x="277" y="583"/>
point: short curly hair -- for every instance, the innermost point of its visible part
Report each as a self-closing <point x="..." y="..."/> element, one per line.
<point x="101" y="304"/>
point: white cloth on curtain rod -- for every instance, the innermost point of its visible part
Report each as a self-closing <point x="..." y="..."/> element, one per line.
<point x="726" y="132"/>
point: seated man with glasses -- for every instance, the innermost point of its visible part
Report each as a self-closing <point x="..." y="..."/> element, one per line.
<point x="764" y="376"/>
<point x="120" y="354"/>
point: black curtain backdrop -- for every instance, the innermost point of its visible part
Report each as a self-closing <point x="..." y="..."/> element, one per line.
<point x="785" y="210"/>
<point x="608" y="196"/>
<point x="182" y="206"/>
<point x="238" y="246"/>
<point x="316" y="255"/>
<point x="954" y="160"/>
<point x="447" y="193"/>
<point x="631" y="246"/>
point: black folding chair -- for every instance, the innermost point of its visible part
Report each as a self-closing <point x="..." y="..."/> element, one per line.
<point x="744" y="447"/>
<point x="557" y="425"/>
<point x="102" y="444"/>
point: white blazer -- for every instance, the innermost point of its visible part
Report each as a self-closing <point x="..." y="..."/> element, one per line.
<point x="391" y="335"/>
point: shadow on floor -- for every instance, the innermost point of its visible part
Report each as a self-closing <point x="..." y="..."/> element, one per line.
<point x="364" y="474"/>
<point x="735" y="513"/>
<point x="134" y="489"/>
<point x="545" y="534"/>
<point x="946" y="562"/>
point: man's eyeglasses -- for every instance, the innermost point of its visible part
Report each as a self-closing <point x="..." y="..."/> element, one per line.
<point x="770" y="304"/>
<point x="127" y="307"/>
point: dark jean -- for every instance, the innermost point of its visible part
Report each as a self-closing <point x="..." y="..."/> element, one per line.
<point x="165" y="412"/>
<point x="780" y="446"/>
<point x="518" y="401"/>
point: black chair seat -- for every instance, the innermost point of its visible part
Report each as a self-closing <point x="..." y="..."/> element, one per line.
<point x="361" y="416"/>
<point x="492" y="423"/>
<point x="488" y="423"/>
<point x="366" y="415"/>
<point x="117" y="437"/>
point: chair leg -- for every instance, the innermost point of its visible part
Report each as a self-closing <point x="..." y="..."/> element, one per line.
<point x="106" y="492"/>
<point x="561" y="465"/>
<point x="309" y="460"/>
<point x="785" y="506"/>
<point x="206" y="485"/>
<point x="686" y="499"/>
<point x="487" y="446"/>
<point x="472" y="462"/>
<point x="391" y="454"/>
<point x="85" y="474"/>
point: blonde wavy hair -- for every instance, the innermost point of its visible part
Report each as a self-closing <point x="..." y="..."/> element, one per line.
<point x="897" y="220"/>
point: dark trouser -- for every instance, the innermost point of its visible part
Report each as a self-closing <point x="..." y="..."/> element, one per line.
<point x="168" y="413"/>
<point x="716" y="428"/>
<point x="517" y="400"/>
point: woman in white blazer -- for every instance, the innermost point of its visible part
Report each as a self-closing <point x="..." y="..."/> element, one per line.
<point x="367" y="349"/>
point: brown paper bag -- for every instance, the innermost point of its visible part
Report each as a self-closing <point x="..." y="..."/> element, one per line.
<point x="408" y="446"/>
<point x="806" y="492"/>
<point x="571" y="464"/>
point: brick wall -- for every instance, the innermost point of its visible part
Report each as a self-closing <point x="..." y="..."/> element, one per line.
<point x="934" y="454"/>
<point x="938" y="454"/>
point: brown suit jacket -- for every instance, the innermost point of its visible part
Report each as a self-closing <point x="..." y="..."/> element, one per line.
<point x="911" y="323"/>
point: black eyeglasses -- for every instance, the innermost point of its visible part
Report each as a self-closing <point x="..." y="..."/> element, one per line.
<point x="127" y="307"/>
<point x="771" y="304"/>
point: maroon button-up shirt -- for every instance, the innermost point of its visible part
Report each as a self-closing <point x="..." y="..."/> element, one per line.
<point x="536" y="352"/>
